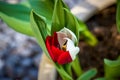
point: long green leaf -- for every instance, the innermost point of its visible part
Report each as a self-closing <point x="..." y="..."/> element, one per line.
<point x="88" y="75"/>
<point x="16" y="16"/>
<point x="71" y="22"/>
<point x="118" y="15"/>
<point x="38" y="25"/>
<point x="58" y="18"/>
<point x="45" y="9"/>
<point x="15" y="10"/>
<point x="21" y="12"/>
<point x="112" y="69"/>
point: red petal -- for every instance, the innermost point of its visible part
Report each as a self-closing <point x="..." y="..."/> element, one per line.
<point x="60" y="56"/>
<point x="55" y="40"/>
<point x="64" y="58"/>
<point x="52" y="46"/>
<point x="57" y="52"/>
<point x="48" y="46"/>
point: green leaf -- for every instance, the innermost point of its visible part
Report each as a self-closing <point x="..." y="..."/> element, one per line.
<point x="88" y="75"/>
<point x="89" y="37"/>
<point x="62" y="17"/>
<point x="71" y="22"/>
<point x="68" y="68"/>
<point x="21" y="12"/>
<point x="112" y="69"/>
<point x="76" y="67"/>
<point x="15" y="10"/>
<point x="118" y="15"/>
<point x="17" y="25"/>
<point x="39" y="28"/>
<point x="45" y="9"/>
<point x="58" y="18"/>
<point x="16" y="16"/>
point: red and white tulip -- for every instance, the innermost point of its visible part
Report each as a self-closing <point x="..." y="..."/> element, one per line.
<point x="61" y="46"/>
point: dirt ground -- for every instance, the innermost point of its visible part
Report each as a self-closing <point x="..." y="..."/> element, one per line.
<point x="103" y="26"/>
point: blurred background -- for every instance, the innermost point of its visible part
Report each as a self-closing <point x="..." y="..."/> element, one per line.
<point x="20" y="55"/>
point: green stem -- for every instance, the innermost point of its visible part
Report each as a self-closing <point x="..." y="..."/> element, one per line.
<point x="68" y="68"/>
<point x="76" y="67"/>
<point x="64" y="75"/>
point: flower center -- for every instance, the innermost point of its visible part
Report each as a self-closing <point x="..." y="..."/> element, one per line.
<point x="64" y="46"/>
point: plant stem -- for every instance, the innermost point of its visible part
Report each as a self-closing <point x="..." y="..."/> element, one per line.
<point x="68" y="68"/>
<point x="64" y="75"/>
<point x="76" y="67"/>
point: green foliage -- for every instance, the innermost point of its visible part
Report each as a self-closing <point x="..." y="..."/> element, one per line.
<point x="88" y="37"/>
<point x="58" y="18"/>
<point x="118" y="15"/>
<point x="38" y="24"/>
<point x="45" y="9"/>
<point x="112" y="69"/>
<point x="88" y="75"/>
<point x="16" y="16"/>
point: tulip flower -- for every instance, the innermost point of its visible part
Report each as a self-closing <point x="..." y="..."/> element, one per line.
<point x="61" y="46"/>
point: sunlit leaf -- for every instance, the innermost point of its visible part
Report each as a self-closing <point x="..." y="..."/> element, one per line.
<point x="112" y="69"/>
<point x="88" y="75"/>
<point x="89" y="37"/>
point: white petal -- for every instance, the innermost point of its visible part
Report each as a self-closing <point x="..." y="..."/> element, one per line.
<point x="72" y="49"/>
<point x="69" y="34"/>
<point x="61" y="38"/>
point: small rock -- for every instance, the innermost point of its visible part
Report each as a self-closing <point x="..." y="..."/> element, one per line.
<point x="33" y="74"/>
<point x="2" y="72"/>
<point x="27" y="62"/>
<point x="1" y="64"/>
<point x="19" y="72"/>
<point x="37" y="59"/>
<point x="9" y="70"/>
<point x="13" y="59"/>
<point x="4" y="78"/>
<point x="27" y="78"/>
